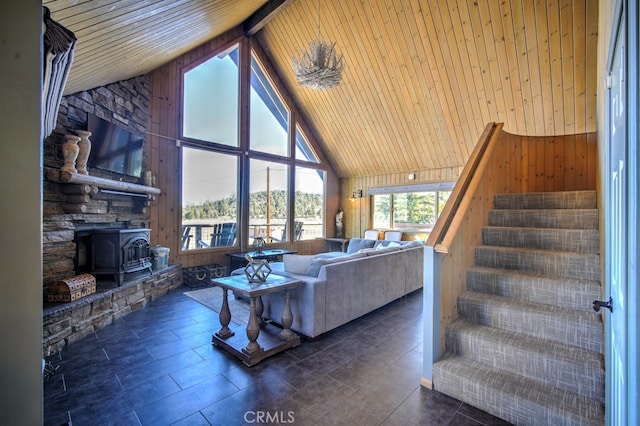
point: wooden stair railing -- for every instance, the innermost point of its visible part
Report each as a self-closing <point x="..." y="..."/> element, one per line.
<point x="461" y="196"/>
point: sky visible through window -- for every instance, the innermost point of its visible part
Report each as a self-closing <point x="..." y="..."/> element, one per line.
<point x="211" y="114"/>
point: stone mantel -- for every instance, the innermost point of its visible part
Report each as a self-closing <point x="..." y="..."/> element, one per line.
<point x="80" y="179"/>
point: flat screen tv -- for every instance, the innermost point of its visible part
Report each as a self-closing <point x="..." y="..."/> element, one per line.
<point x="114" y="148"/>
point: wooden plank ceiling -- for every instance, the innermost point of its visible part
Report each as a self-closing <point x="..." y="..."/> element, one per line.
<point x="422" y="77"/>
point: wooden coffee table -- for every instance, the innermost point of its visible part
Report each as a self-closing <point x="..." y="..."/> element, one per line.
<point x="265" y="339"/>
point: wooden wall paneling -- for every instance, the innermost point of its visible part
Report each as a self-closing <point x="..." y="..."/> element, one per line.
<point x="539" y="146"/>
<point x="152" y="146"/>
<point x="515" y="165"/>
<point x="401" y="110"/>
<point x="592" y="63"/>
<point x="449" y="18"/>
<point x="482" y="55"/>
<point x="567" y="63"/>
<point x="169" y="160"/>
<point x="559" y="163"/>
<point x="435" y="59"/>
<point x="460" y="253"/>
<point x="543" y="57"/>
<point x="478" y="93"/>
<point x="569" y="167"/>
<point x="420" y="84"/>
<point x="533" y="65"/>
<point x="522" y="62"/>
<point x="368" y="66"/>
<point x="579" y="60"/>
<point x="525" y="158"/>
<point x="512" y="105"/>
<point x="389" y="61"/>
<point x="165" y="221"/>
<point x="528" y="163"/>
<point x="415" y="87"/>
<point x="493" y="66"/>
<point x="549" y="157"/>
<point x="582" y="164"/>
<point x="514" y="162"/>
<point x="555" y="61"/>
<point x="592" y="163"/>
<point x="440" y="156"/>
<point x="473" y="93"/>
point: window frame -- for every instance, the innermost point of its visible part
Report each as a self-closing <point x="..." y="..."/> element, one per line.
<point x="249" y="49"/>
<point x="434" y="187"/>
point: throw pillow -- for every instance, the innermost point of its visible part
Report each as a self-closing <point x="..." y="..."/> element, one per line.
<point x="297" y="263"/>
<point x="365" y="250"/>
<point x="356" y="244"/>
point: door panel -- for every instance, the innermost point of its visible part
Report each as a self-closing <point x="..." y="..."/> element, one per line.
<point x="616" y="236"/>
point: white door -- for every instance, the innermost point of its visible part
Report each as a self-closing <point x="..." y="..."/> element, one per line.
<point x="620" y="236"/>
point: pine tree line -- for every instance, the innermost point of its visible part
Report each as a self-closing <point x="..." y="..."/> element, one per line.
<point x="307" y="206"/>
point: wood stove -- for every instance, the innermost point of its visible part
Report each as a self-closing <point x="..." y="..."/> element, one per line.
<point x="120" y="252"/>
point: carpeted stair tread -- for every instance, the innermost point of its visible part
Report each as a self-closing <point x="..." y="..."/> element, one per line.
<point x="576" y="240"/>
<point x="512" y="397"/>
<point x="566" y="367"/>
<point x="577" y="328"/>
<point x="545" y="218"/>
<point x="547" y="262"/>
<point x="547" y="200"/>
<point x="571" y="293"/>
<point x="526" y="345"/>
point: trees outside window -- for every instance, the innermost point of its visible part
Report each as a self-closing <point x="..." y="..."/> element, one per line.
<point x="416" y="211"/>
<point x="209" y="199"/>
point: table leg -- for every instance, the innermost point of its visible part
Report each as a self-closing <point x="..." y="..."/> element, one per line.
<point x="225" y="318"/>
<point x="253" y="330"/>
<point x="259" y="310"/>
<point x="287" y="319"/>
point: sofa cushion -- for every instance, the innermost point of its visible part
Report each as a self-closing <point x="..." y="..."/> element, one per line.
<point x="383" y="250"/>
<point x="317" y="263"/>
<point x="411" y="244"/>
<point x="386" y="243"/>
<point x="330" y="255"/>
<point x="366" y="250"/>
<point x="297" y="263"/>
<point x="356" y="244"/>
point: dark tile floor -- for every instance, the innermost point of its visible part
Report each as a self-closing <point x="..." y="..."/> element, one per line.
<point x="156" y="366"/>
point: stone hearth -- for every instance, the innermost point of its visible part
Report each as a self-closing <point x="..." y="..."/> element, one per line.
<point x="64" y="324"/>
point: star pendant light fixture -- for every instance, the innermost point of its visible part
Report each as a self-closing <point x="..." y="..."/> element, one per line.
<point x="319" y="67"/>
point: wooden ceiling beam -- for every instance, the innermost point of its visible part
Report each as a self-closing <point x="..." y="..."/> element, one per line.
<point x="262" y="16"/>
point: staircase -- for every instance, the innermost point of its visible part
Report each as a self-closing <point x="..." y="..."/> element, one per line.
<point x="527" y="346"/>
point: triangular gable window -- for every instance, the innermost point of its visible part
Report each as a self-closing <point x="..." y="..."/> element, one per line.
<point x="304" y="151"/>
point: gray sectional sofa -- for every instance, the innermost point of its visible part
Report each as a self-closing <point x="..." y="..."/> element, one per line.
<point x="340" y="287"/>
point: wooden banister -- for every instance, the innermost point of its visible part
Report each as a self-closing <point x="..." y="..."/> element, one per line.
<point x="460" y="198"/>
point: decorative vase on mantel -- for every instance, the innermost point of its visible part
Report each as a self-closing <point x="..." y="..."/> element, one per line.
<point x="70" y="151"/>
<point x="83" y="153"/>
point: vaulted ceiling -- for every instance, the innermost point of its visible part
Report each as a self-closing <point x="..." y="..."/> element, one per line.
<point x="422" y="77"/>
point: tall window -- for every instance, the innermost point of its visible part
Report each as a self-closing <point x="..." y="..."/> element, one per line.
<point x="416" y="211"/>
<point x="210" y="107"/>
<point x="215" y="161"/>
<point x="303" y="148"/>
<point x="309" y="209"/>
<point x="268" y="116"/>
<point x="209" y="199"/>
<point x="268" y="200"/>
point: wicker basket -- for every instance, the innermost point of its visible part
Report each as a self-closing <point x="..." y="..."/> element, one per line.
<point x="201" y="276"/>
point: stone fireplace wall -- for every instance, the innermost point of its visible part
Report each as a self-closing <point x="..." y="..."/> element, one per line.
<point x="69" y="207"/>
